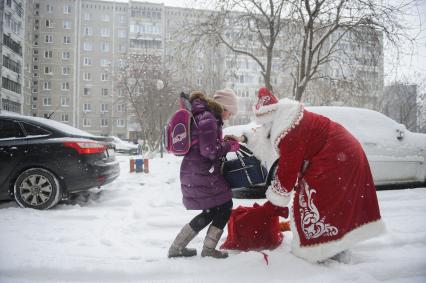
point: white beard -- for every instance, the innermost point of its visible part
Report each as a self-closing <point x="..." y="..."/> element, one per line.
<point x="259" y="142"/>
<point x="263" y="140"/>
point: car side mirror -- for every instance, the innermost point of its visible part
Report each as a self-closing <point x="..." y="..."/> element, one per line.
<point x="400" y="134"/>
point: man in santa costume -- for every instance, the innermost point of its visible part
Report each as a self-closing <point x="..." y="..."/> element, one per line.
<point x="323" y="176"/>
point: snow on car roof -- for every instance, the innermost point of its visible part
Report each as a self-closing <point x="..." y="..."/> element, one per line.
<point x="53" y="124"/>
<point x="367" y="125"/>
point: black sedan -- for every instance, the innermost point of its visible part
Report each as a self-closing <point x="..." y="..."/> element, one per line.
<point x="43" y="161"/>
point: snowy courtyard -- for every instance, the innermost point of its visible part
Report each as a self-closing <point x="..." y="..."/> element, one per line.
<point x="122" y="232"/>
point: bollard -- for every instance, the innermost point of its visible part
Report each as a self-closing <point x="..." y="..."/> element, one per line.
<point x="146" y="165"/>
<point x="139" y="165"/>
<point x="132" y="165"/>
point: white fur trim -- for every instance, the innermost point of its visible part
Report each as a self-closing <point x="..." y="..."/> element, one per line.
<point x="288" y="116"/>
<point x="278" y="199"/>
<point x="264" y="110"/>
<point x="327" y="250"/>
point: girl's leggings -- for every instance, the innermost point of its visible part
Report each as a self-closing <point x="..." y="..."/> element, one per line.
<point x="218" y="216"/>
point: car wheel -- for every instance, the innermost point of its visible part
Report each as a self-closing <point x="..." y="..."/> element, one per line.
<point x="37" y="188"/>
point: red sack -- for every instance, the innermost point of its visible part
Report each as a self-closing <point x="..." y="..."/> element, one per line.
<point x="255" y="228"/>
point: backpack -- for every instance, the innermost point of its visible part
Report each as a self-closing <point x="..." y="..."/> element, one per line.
<point x="177" y="132"/>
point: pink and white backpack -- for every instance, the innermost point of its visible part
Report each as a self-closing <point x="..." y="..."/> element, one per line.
<point x="177" y="133"/>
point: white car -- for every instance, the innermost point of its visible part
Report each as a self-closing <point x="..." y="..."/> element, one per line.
<point x="124" y="146"/>
<point x="396" y="155"/>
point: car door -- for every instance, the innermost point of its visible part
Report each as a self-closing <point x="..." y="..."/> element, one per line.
<point x="13" y="147"/>
<point x="393" y="159"/>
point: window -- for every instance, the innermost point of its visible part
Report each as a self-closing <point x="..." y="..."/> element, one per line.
<point x="86" y="91"/>
<point x="64" y="117"/>
<point x="87" y="107"/>
<point x="87" y="61"/>
<point x="104" y="122"/>
<point x="47" y="101"/>
<point x="10" y="129"/>
<point x="88" y="31"/>
<point x="105" y="62"/>
<point x="105" y="32"/>
<point x="65" y="86"/>
<point x="104" y="91"/>
<point x="105" y="18"/>
<point x="48" y="70"/>
<point x="122" y="19"/>
<point x="33" y="130"/>
<point x="48" y="54"/>
<point x="122" y="48"/>
<point x="121" y="33"/>
<point x="87" y="76"/>
<point x="67" y="39"/>
<point x="104" y="77"/>
<point x="120" y="107"/>
<point x="104" y="47"/>
<point x="104" y="107"/>
<point x="67" y="9"/>
<point x="87" y="46"/>
<point x="87" y="16"/>
<point x="47" y="85"/>
<point x="49" y="8"/>
<point x="49" y="23"/>
<point x="35" y="52"/>
<point x="67" y="24"/>
<point x="120" y="123"/>
<point x="66" y="55"/>
<point x="48" y="38"/>
<point x="65" y="101"/>
<point x="86" y="122"/>
<point x="66" y="70"/>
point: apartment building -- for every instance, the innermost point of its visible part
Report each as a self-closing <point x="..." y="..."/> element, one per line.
<point x="73" y="55"/>
<point x="12" y="23"/>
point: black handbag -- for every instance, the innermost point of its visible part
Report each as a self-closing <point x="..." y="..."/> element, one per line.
<point x="246" y="171"/>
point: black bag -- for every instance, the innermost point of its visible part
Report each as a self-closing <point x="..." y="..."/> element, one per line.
<point x="246" y="171"/>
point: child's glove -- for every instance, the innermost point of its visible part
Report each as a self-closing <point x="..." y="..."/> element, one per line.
<point x="235" y="146"/>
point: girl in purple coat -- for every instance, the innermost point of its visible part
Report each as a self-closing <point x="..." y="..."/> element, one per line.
<point x="202" y="184"/>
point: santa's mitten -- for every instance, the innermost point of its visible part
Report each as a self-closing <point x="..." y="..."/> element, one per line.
<point x="276" y="210"/>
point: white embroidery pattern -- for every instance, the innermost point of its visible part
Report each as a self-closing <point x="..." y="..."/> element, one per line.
<point x="277" y="188"/>
<point x="312" y="225"/>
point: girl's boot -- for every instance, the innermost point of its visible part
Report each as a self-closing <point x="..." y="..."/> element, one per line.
<point x="178" y="247"/>
<point x="210" y="243"/>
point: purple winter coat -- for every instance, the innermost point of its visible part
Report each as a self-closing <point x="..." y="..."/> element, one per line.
<point x="202" y="189"/>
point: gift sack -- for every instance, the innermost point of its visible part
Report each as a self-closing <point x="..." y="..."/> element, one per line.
<point x="255" y="228"/>
<point x="244" y="172"/>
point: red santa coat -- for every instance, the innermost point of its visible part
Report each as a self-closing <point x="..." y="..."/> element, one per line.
<point x="324" y="170"/>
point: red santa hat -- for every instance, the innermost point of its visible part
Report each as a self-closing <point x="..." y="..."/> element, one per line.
<point x="267" y="103"/>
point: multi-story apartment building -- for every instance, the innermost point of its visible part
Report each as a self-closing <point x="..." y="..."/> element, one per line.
<point x="74" y="50"/>
<point x="76" y="46"/>
<point x="11" y="54"/>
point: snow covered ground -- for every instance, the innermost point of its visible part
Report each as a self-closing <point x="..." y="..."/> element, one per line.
<point x="122" y="234"/>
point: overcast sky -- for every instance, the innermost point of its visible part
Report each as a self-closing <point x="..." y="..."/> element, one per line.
<point x="408" y="65"/>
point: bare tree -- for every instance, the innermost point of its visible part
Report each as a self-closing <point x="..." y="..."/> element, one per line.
<point x="150" y="93"/>
<point x="400" y="103"/>
<point x="309" y="30"/>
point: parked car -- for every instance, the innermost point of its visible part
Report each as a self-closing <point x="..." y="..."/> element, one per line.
<point x="124" y="146"/>
<point x="43" y="161"/>
<point x="396" y="155"/>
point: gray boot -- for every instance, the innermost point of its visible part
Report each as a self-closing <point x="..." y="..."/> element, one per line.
<point x="210" y="243"/>
<point x="178" y="247"/>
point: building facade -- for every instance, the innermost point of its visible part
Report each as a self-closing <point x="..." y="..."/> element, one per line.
<point x="12" y="24"/>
